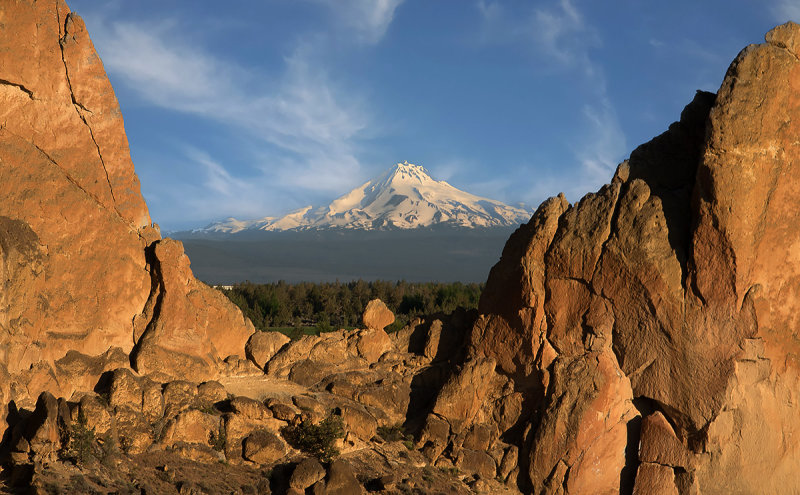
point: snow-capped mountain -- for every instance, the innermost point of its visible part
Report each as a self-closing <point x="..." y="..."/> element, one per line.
<point x="404" y="197"/>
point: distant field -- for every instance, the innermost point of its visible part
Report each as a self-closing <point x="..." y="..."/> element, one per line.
<point x="415" y="256"/>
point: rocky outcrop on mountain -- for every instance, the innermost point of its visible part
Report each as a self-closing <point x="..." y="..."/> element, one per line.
<point x="651" y="328"/>
<point x="82" y="267"/>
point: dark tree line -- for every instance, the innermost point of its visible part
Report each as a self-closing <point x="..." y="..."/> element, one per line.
<point x="329" y="306"/>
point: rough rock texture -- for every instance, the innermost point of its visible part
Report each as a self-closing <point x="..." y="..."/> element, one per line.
<point x="671" y="293"/>
<point x="377" y="316"/>
<point x="82" y="268"/>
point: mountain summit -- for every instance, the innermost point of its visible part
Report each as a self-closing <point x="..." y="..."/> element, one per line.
<point x="403" y="197"/>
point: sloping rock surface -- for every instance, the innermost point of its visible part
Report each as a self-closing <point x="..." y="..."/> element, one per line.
<point x="82" y="266"/>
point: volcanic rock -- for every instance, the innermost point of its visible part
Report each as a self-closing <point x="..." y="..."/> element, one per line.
<point x="670" y="293"/>
<point x="68" y="183"/>
<point x="263" y="345"/>
<point x="377" y="316"/>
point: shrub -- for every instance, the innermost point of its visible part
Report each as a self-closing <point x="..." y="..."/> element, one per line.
<point x="316" y="440"/>
<point x="80" y="441"/>
<point x="218" y="440"/>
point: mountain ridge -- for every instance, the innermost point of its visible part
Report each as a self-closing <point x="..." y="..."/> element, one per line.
<point x="404" y="197"/>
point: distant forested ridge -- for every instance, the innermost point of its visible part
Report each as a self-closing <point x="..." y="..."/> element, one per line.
<point x="334" y="305"/>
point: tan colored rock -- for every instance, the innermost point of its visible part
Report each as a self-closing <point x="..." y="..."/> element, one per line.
<point x="197" y="452"/>
<point x="124" y="389"/>
<point x="377" y="316"/>
<point x="178" y="396"/>
<point x="341" y="479"/>
<point x="191" y="426"/>
<point x="479" y="437"/>
<point x="152" y="399"/>
<point x="433" y="338"/>
<point x="372" y="344"/>
<point x="236" y="428"/>
<point x="659" y="444"/>
<point x="134" y="432"/>
<point x="655" y="479"/>
<point x="462" y="396"/>
<point x="79" y="372"/>
<point x="250" y="408"/>
<point x="68" y="184"/>
<point x="282" y="409"/>
<point x="264" y="447"/>
<point x="434" y="437"/>
<point x="677" y="284"/>
<point x="307" y="472"/>
<point x="585" y="426"/>
<point x="509" y="462"/>
<point x="194" y="322"/>
<point x="210" y="393"/>
<point x="476" y="463"/>
<point x="261" y="346"/>
<point x="95" y="412"/>
<point x="358" y="421"/>
<point x="43" y="429"/>
<point x="310" y="408"/>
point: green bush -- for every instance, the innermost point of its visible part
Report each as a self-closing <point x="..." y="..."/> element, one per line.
<point x="317" y="440"/>
<point x="79" y="443"/>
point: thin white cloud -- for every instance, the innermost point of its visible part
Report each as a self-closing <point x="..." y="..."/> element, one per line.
<point x="557" y="33"/>
<point x="786" y="10"/>
<point x="368" y="20"/>
<point x="217" y="178"/>
<point x="301" y="113"/>
<point x="604" y="143"/>
<point x="560" y="36"/>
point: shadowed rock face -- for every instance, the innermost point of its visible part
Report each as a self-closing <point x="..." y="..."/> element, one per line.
<point x="672" y="291"/>
<point x="82" y="266"/>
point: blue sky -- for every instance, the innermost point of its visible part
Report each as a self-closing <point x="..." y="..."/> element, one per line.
<point x="261" y="107"/>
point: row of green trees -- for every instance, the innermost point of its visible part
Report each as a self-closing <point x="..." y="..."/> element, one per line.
<point x="328" y="306"/>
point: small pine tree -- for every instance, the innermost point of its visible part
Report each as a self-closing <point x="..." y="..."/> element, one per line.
<point x="80" y="441"/>
<point x="316" y="440"/>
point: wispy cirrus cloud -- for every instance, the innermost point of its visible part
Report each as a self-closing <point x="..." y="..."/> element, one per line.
<point x="368" y="20"/>
<point x="302" y="128"/>
<point x="556" y="33"/>
<point x="560" y="38"/>
<point x="300" y="112"/>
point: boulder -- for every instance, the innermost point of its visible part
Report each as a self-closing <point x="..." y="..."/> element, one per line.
<point x="307" y="472"/>
<point x="178" y="395"/>
<point x="358" y="421"/>
<point x="476" y="463"/>
<point x="191" y="426"/>
<point x="376" y="315"/>
<point x="261" y="346"/>
<point x="250" y="408"/>
<point x="372" y="343"/>
<point x="44" y="427"/>
<point x="341" y="479"/>
<point x="263" y="447"/>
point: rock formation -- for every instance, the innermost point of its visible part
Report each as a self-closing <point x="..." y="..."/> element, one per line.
<point x="642" y="340"/>
<point x="82" y="267"/>
<point x="651" y="328"/>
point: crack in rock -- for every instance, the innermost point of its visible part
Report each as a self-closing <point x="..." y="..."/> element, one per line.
<point x="20" y="87"/>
